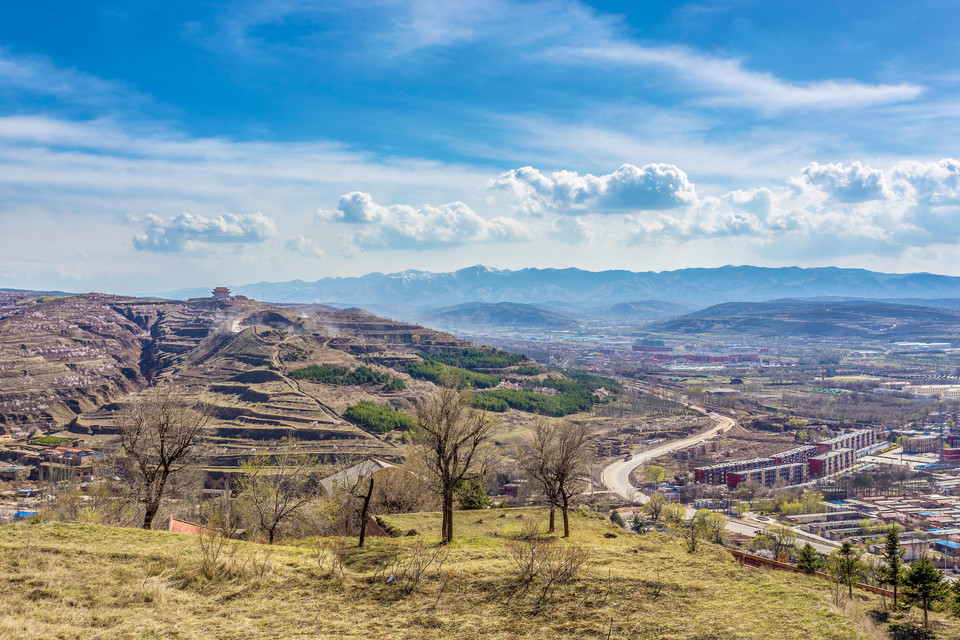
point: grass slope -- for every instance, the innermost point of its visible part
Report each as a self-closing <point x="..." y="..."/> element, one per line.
<point x="79" y="581"/>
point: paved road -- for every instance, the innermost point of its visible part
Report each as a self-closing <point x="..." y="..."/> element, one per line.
<point x="617" y="475"/>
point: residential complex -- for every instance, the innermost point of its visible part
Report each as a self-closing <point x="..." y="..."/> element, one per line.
<point x="793" y="466"/>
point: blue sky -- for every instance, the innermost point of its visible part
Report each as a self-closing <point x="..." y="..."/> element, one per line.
<point x="152" y="145"/>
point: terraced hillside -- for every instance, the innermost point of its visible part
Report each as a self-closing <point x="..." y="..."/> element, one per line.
<point x="74" y="361"/>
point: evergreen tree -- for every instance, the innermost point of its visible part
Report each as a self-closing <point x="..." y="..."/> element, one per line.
<point x="924" y="583"/>
<point x="617" y="519"/>
<point x="893" y="570"/>
<point x="808" y="559"/>
<point x="847" y="565"/>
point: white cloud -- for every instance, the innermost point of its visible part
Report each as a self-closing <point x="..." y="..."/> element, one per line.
<point x="185" y="231"/>
<point x="854" y="183"/>
<point x="404" y="227"/>
<point x="826" y="209"/>
<point x="726" y="82"/>
<point x="629" y="188"/>
<point x="574" y="230"/>
<point x="304" y="246"/>
<point x="40" y="76"/>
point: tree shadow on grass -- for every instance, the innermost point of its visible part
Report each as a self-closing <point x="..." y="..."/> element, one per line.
<point x="900" y="629"/>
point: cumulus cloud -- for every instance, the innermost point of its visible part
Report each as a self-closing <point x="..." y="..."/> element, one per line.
<point x="401" y="226"/>
<point x="850" y="208"/>
<point x="651" y="187"/>
<point x="186" y="231"/>
<point x="304" y="246"/>
<point x="854" y="183"/>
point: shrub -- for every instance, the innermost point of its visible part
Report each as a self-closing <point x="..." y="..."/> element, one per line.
<point x="395" y="384"/>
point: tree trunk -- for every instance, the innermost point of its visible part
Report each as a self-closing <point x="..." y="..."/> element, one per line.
<point x="270" y="533"/>
<point x="894" y="596"/>
<point x="448" y="507"/>
<point x="850" y="586"/>
<point x="552" y="526"/>
<point x="925" y="625"/>
<point x="150" y="513"/>
<point x="153" y="503"/>
<point x="363" y="513"/>
<point x="566" y="521"/>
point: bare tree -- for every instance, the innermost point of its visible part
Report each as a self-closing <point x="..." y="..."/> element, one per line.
<point x="160" y="436"/>
<point x="449" y="438"/>
<point x="278" y="487"/>
<point x="535" y="459"/>
<point x="570" y="464"/>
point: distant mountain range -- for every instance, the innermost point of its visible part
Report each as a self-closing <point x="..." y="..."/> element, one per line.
<point x="861" y="319"/>
<point x="549" y="315"/>
<point x="419" y="291"/>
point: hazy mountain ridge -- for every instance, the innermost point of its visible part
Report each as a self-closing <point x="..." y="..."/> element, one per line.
<point x="864" y="319"/>
<point x="697" y="287"/>
<point x="499" y="314"/>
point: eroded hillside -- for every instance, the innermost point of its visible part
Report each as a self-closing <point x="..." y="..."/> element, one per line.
<point x="74" y="361"/>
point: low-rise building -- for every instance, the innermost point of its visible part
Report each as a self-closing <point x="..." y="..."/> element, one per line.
<point x="857" y="439"/>
<point x="717" y="473"/>
<point x="793" y="473"/>
<point x="831" y="462"/>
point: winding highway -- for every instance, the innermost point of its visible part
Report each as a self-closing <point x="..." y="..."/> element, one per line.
<point x="616" y="476"/>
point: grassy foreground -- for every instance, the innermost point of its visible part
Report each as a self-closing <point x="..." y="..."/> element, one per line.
<point x="84" y="581"/>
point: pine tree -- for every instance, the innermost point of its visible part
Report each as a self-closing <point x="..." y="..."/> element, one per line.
<point x="892" y="572"/>
<point x="808" y="559"/>
<point x="617" y="519"/>
<point x="847" y="565"/>
<point x="924" y="583"/>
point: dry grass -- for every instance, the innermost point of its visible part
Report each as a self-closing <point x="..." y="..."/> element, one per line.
<point x="72" y="581"/>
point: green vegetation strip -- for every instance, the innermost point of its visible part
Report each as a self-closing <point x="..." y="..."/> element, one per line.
<point x="50" y="440"/>
<point x="561" y="404"/>
<point x="573" y="396"/>
<point x="437" y="372"/>
<point x="474" y="359"/>
<point x="335" y="374"/>
<point x="381" y="417"/>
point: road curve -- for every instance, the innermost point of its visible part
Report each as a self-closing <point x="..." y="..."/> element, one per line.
<point x="616" y="476"/>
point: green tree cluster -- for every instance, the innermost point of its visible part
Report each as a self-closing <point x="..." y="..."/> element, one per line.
<point x="340" y="375"/>
<point x="437" y="372"/>
<point x="474" y="359"/>
<point x="381" y="417"/>
<point x="562" y="404"/>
